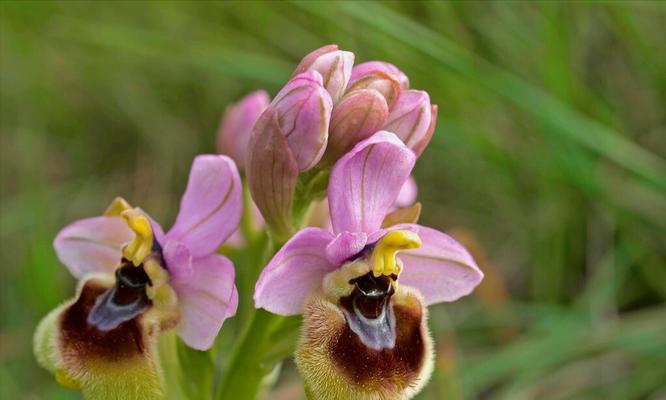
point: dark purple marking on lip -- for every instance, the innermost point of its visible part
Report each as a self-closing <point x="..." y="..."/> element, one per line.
<point x="81" y="340"/>
<point x="402" y="361"/>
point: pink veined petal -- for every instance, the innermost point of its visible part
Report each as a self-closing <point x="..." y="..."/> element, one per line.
<point x="344" y="246"/>
<point x="92" y="245"/>
<point x="407" y="195"/>
<point x="211" y="207"/>
<point x="206" y="299"/>
<point x="366" y="181"/>
<point x="441" y="268"/>
<point x="178" y="260"/>
<point x="294" y="271"/>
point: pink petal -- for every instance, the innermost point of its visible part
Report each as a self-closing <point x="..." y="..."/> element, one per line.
<point x="366" y="181"/>
<point x="441" y="268"/>
<point x="294" y="271"/>
<point x="92" y="245"/>
<point x="407" y="195"/>
<point x="178" y="260"/>
<point x="211" y="207"/>
<point x="344" y="246"/>
<point x="206" y="299"/>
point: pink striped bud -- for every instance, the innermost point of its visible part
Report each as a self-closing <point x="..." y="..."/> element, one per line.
<point x="333" y="65"/>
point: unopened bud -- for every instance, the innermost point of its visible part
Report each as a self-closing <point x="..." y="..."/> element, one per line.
<point x="236" y="126"/>
<point x="333" y="65"/>
<point x="412" y="119"/>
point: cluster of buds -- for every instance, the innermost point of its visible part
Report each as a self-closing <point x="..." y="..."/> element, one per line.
<point x="326" y="108"/>
<point x="332" y="153"/>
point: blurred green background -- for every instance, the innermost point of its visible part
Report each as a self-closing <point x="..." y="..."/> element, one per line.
<point x="548" y="162"/>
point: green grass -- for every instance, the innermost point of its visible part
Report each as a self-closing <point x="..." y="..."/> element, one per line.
<point x="549" y="152"/>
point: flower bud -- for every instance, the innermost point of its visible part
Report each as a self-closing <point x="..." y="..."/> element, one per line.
<point x="236" y="126"/>
<point x="413" y="119"/>
<point x="272" y="172"/>
<point x="303" y="109"/>
<point x="358" y="115"/>
<point x="333" y="65"/>
<point x="381" y="76"/>
<point x="369" y="67"/>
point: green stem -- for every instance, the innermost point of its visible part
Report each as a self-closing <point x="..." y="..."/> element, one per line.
<point x="247" y="219"/>
<point x="266" y="338"/>
<point x="247" y="366"/>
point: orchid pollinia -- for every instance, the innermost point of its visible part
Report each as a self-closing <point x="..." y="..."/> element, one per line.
<point x="327" y="162"/>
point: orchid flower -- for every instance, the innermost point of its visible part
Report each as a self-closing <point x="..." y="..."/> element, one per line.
<point x="363" y="288"/>
<point x="136" y="282"/>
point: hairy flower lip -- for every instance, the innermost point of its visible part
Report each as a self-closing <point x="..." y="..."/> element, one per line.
<point x="337" y="365"/>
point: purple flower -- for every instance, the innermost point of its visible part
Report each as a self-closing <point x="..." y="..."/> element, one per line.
<point x="184" y="259"/>
<point x="236" y="126"/>
<point x="346" y="282"/>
